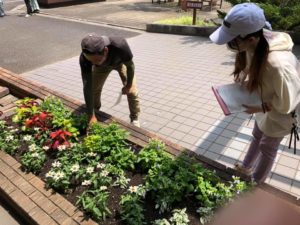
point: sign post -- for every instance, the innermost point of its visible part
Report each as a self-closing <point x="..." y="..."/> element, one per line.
<point x="194" y="5"/>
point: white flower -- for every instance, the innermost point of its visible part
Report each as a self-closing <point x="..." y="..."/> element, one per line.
<point x="57" y="176"/>
<point x="10" y="127"/>
<point x="62" y="147"/>
<point x="27" y="138"/>
<point x="35" y="154"/>
<point x="9" y="138"/>
<point x="50" y="174"/>
<point x="32" y="147"/>
<point x="46" y="148"/>
<point x="100" y="165"/>
<point x="36" y="129"/>
<point x="90" y="169"/>
<point x="74" y="168"/>
<point x="86" y="183"/>
<point x="102" y="188"/>
<point x="72" y="145"/>
<point x="60" y="174"/>
<point x="91" y="154"/>
<point x="14" y="130"/>
<point x="133" y="189"/>
<point x="104" y="173"/>
<point x="56" y="164"/>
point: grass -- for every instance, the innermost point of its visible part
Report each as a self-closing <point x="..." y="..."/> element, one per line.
<point x="185" y="20"/>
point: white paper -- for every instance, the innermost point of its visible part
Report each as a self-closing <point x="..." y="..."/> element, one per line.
<point x="118" y="100"/>
<point x="234" y="96"/>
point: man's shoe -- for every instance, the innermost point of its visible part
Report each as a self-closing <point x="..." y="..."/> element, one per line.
<point x="136" y="123"/>
<point x="36" y="11"/>
<point x="27" y="15"/>
<point x="243" y="169"/>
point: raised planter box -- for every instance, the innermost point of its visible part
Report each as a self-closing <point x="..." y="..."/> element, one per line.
<point x="14" y="184"/>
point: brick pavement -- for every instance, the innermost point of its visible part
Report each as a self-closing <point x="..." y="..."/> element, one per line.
<point x="175" y="74"/>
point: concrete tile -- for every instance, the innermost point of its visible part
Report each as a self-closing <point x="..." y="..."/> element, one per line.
<point x="209" y="136"/>
<point x="215" y="130"/>
<point x="285" y="171"/>
<point x="217" y="148"/>
<point x="186" y="145"/>
<point x="281" y="182"/>
<point x="228" y="133"/>
<point x="221" y="124"/>
<point x="166" y="131"/>
<point x="227" y="161"/>
<point x="232" y="153"/>
<point x="190" y="122"/>
<point x="173" y="125"/>
<point x="211" y="155"/>
<point x="196" y="132"/>
<point x="242" y="138"/>
<point x="288" y="161"/>
<point x="190" y="139"/>
<point x="233" y="127"/>
<point x="198" y="150"/>
<point x="295" y="189"/>
<point x="203" y="126"/>
<point x="184" y="128"/>
<point x="245" y="130"/>
<point x="223" y="141"/>
<point x="202" y="143"/>
<point x="178" y="135"/>
<point x="237" y="145"/>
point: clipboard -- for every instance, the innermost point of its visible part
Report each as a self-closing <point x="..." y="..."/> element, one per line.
<point x="220" y="101"/>
<point x="232" y="97"/>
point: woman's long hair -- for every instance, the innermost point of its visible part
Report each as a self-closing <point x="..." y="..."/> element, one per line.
<point x="258" y="63"/>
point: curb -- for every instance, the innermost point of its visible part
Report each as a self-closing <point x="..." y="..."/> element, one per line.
<point x="180" y="29"/>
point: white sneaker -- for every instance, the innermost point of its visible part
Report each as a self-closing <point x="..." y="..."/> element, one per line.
<point x="136" y="123"/>
<point x="27" y="15"/>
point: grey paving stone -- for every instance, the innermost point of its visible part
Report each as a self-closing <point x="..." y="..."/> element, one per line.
<point x="178" y="135"/>
<point x="281" y="182"/>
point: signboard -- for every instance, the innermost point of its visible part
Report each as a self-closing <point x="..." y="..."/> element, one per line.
<point x="194" y="4"/>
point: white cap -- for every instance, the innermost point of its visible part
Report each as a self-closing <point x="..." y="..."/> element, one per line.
<point x="242" y="19"/>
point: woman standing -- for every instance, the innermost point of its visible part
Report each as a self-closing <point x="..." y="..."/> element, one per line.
<point x="264" y="64"/>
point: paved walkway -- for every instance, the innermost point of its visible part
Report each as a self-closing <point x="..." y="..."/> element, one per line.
<point x="127" y="13"/>
<point x="175" y="74"/>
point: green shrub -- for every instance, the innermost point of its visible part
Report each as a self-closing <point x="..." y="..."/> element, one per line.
<point x="282" y="14"/>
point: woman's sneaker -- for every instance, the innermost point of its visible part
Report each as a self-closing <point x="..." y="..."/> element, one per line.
<point x="243" y="169"/>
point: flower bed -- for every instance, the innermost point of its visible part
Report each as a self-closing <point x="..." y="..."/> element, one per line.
<point x="112" y="180"/>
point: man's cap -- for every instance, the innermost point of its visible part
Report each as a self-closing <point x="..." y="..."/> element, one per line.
<point x="241" y="20"/>
<point x="94" y="43"/>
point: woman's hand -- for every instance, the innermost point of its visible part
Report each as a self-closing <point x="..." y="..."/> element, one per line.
<point x="256" y="109"/>
<point x="252" y="109"/>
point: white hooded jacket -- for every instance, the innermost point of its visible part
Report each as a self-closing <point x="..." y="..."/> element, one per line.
<point x="280" y="86"/>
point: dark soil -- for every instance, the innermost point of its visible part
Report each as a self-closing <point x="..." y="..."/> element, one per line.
<point x="136" y="178"/>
